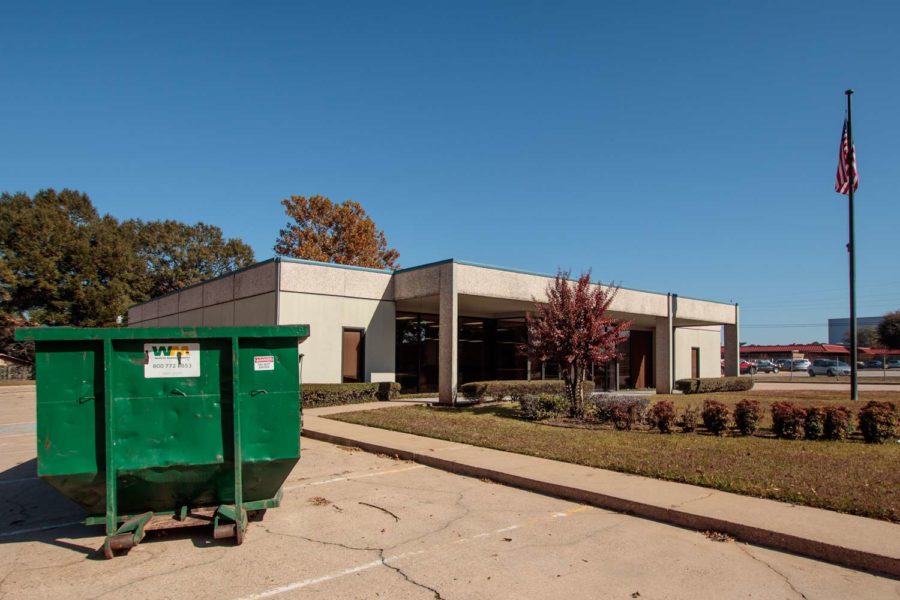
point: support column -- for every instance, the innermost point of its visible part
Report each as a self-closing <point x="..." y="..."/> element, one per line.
<point x="663" y="350"/>
<point x="448" y="341"/>
<point x="733" y="345"/>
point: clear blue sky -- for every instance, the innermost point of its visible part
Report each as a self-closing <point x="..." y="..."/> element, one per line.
<point x="683" y="147"/>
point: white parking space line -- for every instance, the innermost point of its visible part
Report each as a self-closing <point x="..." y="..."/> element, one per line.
<point x="290" y="587"/>
<point x="307" y="582"/>
<point x="351" y="477"/>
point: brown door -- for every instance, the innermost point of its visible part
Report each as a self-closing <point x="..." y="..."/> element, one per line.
<point x="695" y="363"/>
<point x="641" y="366"/>
<point x="352" y="356"/>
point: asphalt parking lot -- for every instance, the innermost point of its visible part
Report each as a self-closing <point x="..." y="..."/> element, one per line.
<point x="356" y="525"/>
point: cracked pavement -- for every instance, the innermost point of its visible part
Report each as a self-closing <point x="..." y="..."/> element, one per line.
<point x="453" y="537"/>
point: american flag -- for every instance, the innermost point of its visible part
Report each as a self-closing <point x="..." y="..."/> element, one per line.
<point x="846" y="155"/>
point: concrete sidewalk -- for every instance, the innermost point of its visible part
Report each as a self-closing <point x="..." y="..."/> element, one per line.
<point x="842" y="539"/>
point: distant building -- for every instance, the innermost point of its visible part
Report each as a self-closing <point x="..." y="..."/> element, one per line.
<point x="839" y="329"/>
<point x="811" y="352"/>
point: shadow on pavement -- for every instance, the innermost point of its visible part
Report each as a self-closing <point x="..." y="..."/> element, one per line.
<point x="32" y="511"/>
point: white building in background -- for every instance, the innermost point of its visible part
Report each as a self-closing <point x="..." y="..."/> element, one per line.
<point x="435" y="326"/>
<point x="839" y="329"/>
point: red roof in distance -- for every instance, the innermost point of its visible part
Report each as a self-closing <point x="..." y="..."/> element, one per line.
<point x="815" y="348"/>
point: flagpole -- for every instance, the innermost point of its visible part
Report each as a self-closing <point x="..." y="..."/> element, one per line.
<point x="851" y="248"/>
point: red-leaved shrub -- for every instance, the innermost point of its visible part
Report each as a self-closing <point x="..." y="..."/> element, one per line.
<point x="746" y="416"/>
<point x="662" y="416"/>
<point x="838" y="423"/>
<point x="625" y="415"/>
<point x="715" y="416"/>
<point x="788" y="420"/>
<point x="877" y="421"/>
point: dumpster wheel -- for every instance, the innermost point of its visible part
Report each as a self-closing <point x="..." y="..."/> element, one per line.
<point x="230" y="522"/>
<point x="120" y="544"/>
<point x="229" y="530"/>
<point x="127" y="536"/>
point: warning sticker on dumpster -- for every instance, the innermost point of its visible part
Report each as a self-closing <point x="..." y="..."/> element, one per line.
<point x="263" y="363"/>
<point x="171" y="359"/>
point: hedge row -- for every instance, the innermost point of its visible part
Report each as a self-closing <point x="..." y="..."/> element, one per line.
<point x="516" y="389"/>
<point x="706" y="385"/>
<point x="877" y="422"/>
<point x="335" y="394"/>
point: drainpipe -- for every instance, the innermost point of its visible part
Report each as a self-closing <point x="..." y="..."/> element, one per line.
<point x="278" y="290"/>
<point x="674" y="308"/>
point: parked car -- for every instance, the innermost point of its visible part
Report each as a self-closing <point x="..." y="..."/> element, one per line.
<point x="801" y="364"/>
<point x="748" y="367"/>
<point x="784" y="364"/>
<point x="874" y="364"/>
<point x="894" y="363"/>
<point x="832" y="368"/>
<point x="767" y="366"/>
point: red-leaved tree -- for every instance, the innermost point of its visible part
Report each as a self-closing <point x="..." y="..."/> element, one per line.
<point x="572" y="329"/>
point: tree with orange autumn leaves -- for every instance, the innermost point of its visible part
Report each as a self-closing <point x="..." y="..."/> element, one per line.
<point x="341" y="233"/>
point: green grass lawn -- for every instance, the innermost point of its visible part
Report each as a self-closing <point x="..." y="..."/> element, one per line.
<point x="848" y="476"/>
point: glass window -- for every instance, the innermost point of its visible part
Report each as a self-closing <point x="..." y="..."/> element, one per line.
<point x="511" y="333"/>
<point x="416" y="352"/>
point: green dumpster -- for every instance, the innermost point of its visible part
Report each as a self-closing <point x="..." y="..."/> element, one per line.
<point x="160" y="427"/>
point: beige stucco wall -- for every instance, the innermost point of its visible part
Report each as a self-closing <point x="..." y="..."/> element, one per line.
<point x="336" y="281"/>
<point x="708" y="339"/>
<point x="243" y="298"/>
<point x="497" y="283"/>
<point x="327" y="316"/>
<point x="417" y="283"/>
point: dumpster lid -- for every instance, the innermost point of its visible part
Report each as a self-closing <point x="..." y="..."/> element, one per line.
<point x="40" y="334"/>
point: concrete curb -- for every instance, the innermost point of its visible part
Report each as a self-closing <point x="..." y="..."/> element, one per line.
<point x="840" y="555"/>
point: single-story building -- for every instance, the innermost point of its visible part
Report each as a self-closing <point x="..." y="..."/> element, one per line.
<point x="795" y="351"/>
<point x="435" y="326"/>
<point x="839" y="352"/>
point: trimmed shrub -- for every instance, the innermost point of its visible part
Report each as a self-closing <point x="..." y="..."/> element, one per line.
<point x="624" y="412"/>
<point x="689" y="418"/>
<point x="625" y="415"/>
<point x="335" y="394"/>
<point x="838" y="423"/>
<point x="877" y="421"/>
<point x="537" y="407"/>
<point x="814" y="423"/>
<point x="706" y="385"/>
<point x="662" y="416"/>
<point x="746" y="416"/>
<point x="715" y="416"/>
<point x="516" y="389"/>
<point x="788" y="420"/>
